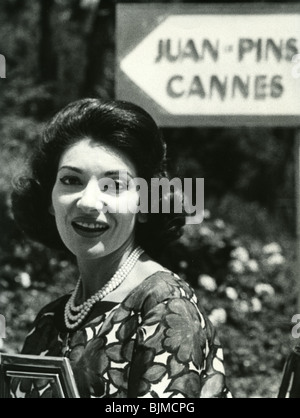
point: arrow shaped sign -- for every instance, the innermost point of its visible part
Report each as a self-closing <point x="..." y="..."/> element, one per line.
<point x="216" y="67"/>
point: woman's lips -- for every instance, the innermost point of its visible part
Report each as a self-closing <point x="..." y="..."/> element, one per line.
<point x="89" y="228"/>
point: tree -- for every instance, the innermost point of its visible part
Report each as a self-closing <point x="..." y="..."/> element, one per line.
<point x="47" y="57"/>
<point x="99" y="41"/>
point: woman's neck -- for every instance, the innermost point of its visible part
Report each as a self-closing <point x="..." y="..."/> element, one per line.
<point x="95" y="274"/>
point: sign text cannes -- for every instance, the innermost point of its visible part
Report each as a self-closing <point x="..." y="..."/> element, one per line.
<point x="195" y="66"/>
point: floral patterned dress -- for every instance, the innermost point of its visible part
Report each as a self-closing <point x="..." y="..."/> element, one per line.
<point x="156" y="344"/>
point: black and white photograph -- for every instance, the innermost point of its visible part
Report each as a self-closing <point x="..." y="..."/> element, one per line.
<point x="149" y="202"/>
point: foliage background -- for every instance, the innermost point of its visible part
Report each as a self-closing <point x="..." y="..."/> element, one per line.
<point x="61" y="50"/>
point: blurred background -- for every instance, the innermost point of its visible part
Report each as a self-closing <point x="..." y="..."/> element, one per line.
<point x="241" y="259"/>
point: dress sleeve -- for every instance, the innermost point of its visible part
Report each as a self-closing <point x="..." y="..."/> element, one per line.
<point x="176" y="355"/>
<point x="41" y="340"/>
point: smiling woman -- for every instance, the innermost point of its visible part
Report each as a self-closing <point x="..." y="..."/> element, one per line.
<point x="78" y="202"/>
<point x="131" y="328"/>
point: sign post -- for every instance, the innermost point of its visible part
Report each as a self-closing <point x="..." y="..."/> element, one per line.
<point x="210" y="64"/>
<point x="297" y="172"/>
<point x="213" y="65"/>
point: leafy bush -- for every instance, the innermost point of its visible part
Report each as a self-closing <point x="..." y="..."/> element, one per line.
<point x="30" y="278"/>
<point x="247" y="288"/>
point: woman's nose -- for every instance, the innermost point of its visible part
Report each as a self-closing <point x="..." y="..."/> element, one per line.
<point x="90" y="200"/>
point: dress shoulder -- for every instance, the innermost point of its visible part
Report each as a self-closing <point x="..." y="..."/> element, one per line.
<point x="158" y="288"/>
<point x="45" y="328"/>
<point x="52" y="312"/>
<point x="53" y="307"/>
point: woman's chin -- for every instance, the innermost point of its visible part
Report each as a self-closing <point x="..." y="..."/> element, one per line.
<point x="92" y="253"/>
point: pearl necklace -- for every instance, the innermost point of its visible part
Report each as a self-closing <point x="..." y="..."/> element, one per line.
<point x="75" y="315"/>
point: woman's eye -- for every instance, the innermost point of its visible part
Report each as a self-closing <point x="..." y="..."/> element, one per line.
<point x="120" y="186"/>
<point x="70" y="181"/>
<point x="115" y="186"/>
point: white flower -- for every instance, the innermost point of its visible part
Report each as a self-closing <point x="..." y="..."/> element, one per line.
<point x="24" y="279"/>
<point x="231" y="293"/>
<point x="183" y="265"/>
<point x="276" y="260"/>
<point x="218" y="317"/>
<point x="272" y="248"/>
<point x="253" y="266"/>
<point x="256" y="305"/>
<point x="208" y="283"/>
<point x="86" y="4"/>
<point x="264" y="289"/>
<point x="219" y="223"/>
<point x="207" y="214"/>
<point x="236" y="266"/>
<point x="53" y="262"/>
<point x="63" y="264"/>
<point x="243" y="306"/>
<point x="205" y="231"/>
<point x="240" y="254"/>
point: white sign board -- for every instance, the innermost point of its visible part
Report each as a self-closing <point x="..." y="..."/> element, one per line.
<point x="206" y="65"/>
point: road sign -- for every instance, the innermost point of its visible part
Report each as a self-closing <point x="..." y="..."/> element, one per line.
<point x="211" y="65"/>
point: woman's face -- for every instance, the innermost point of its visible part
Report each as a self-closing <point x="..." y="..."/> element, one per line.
<point x="84" y="203"/>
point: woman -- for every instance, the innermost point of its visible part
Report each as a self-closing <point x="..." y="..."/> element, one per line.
<point x="131" y="328"/>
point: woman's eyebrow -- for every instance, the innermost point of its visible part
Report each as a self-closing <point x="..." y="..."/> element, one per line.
<point x="106" y="174"/>
<point x="68" y="167"/>
<point x="117" y="173"/>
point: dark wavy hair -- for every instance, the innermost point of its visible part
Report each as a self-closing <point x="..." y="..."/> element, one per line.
<point x="122" y="125"/>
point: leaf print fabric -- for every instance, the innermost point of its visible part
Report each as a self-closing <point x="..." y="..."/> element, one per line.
<point x="184" y="333"/>
<point x="156" y="344"/>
